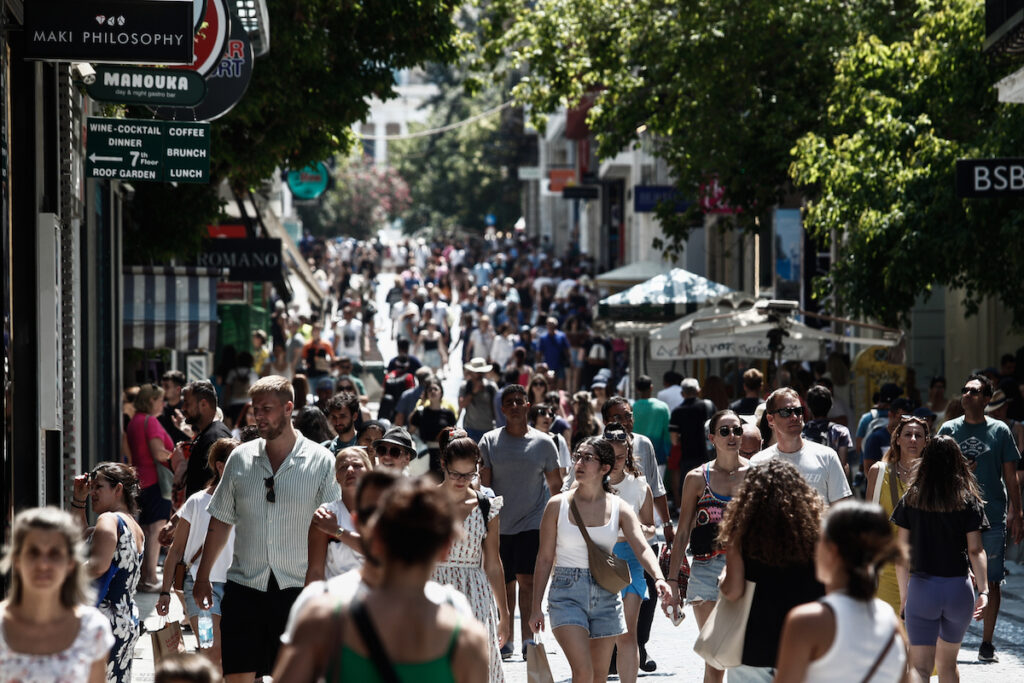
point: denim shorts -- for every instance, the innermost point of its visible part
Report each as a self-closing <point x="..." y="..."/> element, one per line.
<point x="575" y="599"/>
<point x="994" y="541"/>
<point x="637" y="582"/>
<point x="191" y="608"/>
<point x="703" y="584"/>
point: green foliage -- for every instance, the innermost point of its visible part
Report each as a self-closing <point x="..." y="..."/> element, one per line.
<point x="166" y="221"/>
<point x="362" y="200"/>
<point x="882" y="169"/>
<point x="458" y="177"/>
<point x="327" y="58"/>
<point x="725" y="88"/>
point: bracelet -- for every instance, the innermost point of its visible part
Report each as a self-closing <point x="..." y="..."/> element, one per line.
<point x="660" y="578"/>
<point x="163" y="593"/>
<point x="985" y="593"/>
<point x="77" y="506"/>
<point x="671" y="580"/>
<point x="75" y="500"/>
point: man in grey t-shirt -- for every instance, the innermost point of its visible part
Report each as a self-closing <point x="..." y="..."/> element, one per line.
<point x="521" y="465"/>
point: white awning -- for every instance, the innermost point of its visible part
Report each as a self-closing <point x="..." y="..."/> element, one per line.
<point x="169" y="307"/>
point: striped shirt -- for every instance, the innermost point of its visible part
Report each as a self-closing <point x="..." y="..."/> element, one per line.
<point x="273" y="536"/>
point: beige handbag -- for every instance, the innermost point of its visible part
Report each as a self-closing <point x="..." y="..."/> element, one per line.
<point x="610" y="572"/>
<point x="720" y="642"/>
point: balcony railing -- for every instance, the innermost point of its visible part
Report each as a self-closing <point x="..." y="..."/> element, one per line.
<point x="1004" y="26"/>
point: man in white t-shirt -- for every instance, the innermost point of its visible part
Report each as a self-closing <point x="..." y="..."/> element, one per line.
<point x="819" y="464"/>
<point x="348" y="336"/>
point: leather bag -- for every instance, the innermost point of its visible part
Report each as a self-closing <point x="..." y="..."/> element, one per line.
<point x="609" y="571"/>
<point x="720" y="642"/>
<point x="181" y="568"/>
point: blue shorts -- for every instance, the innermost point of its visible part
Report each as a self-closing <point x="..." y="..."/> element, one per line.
<point x="637" y="582"/>
<point x="938" y="607"/>
<point x="191" y="608"/>
<point x="575" y="599"/>
<point x="703" y="584"/>
<point x="994" y="541"/>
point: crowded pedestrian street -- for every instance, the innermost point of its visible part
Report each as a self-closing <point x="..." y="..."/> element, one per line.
<point x="512" y="341"/>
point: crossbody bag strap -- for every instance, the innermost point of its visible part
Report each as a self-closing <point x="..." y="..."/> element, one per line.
<point x="579" y="521"/>
<point x="196" y="556"/>
<point x="878" y="661"/>
<point x="894" y="476"/>
<point x="374" y="647"/>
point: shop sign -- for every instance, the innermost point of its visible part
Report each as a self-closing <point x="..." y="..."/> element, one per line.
<point x="208" y="43"/>
<point x="581" y="192"/>
<point x="310" y="182"/>
<point x="989" y="178"/>
<point x="225" y="85"/>
<point x="120" y="31"/>
<point x="138" y="85"/>
<point x="249" y="260"/>
<point x="154" y="151"/>
<point x="559" y="178"/>
<point x="647" y="197"/>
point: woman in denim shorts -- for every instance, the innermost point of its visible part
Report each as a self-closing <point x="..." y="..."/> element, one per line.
<point x="585" y="617"/>
<point x="189" y="536"/>
<point x="706" y="491"/>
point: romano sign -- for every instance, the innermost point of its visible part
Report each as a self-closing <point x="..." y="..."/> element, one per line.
<point x="135" y="85"/>
<point x="989" y="178"/>
<point x="119" y="31"/>
<point x="255" y="260"/>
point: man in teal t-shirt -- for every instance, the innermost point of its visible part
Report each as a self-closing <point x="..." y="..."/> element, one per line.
<point x="988" y="445"/>
<point x="650" y="418"/>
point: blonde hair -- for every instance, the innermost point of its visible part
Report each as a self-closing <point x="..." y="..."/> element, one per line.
<point x="76" y="588"/>
<point x="273" y="384"/>
<point x="148" y="393"/>
<point x="354" y="452"/>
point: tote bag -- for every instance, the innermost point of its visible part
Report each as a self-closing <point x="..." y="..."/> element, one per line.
<point x="720" y="642"/>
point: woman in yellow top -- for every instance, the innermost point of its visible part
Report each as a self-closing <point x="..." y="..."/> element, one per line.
<point x="887" y="482"/>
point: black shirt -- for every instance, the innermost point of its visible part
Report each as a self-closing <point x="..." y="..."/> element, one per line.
<point x="746" y="405"/>
<point x="777" y="590"/>
<point x="687" y="420"/>
<point x="197" y="472"/>
<point x="938" y="540"/>
<point x="430" y="422"/>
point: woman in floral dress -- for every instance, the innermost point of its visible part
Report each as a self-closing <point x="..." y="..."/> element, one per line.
<point x="115" y="556"/>
<point x="473" y="565"/>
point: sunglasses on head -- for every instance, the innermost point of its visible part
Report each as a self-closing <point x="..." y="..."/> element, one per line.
<point x="269" y="483"/>
<point x="789" y="412"/>
<point x="616" y="435"/>
<point x="735" y="430"/>
<point x="393" y="451"/>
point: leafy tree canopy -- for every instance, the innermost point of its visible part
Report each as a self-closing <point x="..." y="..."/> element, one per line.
<point x="881" y="172"/>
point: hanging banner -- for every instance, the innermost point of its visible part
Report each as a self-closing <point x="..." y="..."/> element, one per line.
<point x="119" y="31"/>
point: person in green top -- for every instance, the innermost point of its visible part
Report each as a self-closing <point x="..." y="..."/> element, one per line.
<point x="989" y="448"/>
<point x="420" y="640"/>
<point x="650" y="418"/>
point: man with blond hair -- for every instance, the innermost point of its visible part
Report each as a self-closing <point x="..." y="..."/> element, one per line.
<point x="269" y="491"/>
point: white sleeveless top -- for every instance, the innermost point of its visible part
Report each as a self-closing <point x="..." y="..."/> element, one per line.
<point x="862" y="632"/>
<point x="570" y="548"/>
<point x="632" y="490"/>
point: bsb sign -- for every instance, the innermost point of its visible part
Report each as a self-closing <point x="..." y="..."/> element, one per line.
<point x="120" y="31"/>
<point x="140" y="149"/>
<point x="988" y="178"/>
<point x="251" y="260"/>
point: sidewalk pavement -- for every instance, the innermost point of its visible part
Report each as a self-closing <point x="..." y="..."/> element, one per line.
<point x="672" y="647"/>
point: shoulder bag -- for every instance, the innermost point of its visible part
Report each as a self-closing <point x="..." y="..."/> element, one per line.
<point x="610" y="572"/>
<point x="164" y="475"/>
<point x="180" y="569"/>
<point x="720" y="642"/>
<point x="878" y="660"/>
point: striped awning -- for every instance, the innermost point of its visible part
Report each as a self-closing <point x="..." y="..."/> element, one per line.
<point x="168" y="307"/>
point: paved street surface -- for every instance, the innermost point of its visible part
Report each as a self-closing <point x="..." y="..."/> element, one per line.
<point x="672" y="647"/>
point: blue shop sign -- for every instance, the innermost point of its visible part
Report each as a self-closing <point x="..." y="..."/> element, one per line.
<point x="647" y="197"/>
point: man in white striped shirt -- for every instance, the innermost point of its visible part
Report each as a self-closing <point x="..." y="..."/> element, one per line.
<point x="269" y="491"/>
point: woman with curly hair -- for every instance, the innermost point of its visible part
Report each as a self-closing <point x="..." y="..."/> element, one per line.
<point x="888" y="480"/>
<point x="941" y="516"/>
<point x="769" y="530"/>
<point x="115" y="554"/>
<point x="706" y="492"/>
<point x="849" y="635"/>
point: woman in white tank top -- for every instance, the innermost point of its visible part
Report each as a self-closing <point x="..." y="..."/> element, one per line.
<point x="849" y="635"/>
<point x="585" y="617"/>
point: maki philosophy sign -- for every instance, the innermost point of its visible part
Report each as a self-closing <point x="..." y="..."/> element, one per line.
<point x="119" y="31"/>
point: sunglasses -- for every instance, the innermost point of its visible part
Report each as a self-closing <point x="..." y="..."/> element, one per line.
<point x="393" y="451"/>
<point x="912" y="418"/>
<point x="460" y="476"/>
<point x="271" y="496"/>
<point x="788" y="412"/>
<point x="585" y="458"/>
<point x="514" y="402"/>
<point x="545" y="413"/>
<point x="972" y="391"/>
<point x="346" y="387"/>
<point x="735" y="431"/>
<point x="616" y="436"/>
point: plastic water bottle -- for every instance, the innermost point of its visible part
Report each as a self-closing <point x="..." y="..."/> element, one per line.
<point x="205" y="624"/>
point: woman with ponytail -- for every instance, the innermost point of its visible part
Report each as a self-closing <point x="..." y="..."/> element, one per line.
<point x="849" y="635"/>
